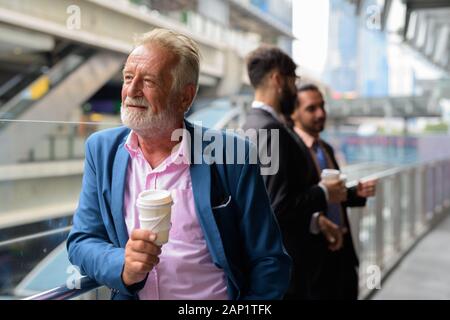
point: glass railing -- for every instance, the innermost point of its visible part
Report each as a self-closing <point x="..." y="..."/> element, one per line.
<point x="38" y="196"/>
<point x="383" y="231"/>
<point x="32" y="264"/>
<point x="410" y="200"/>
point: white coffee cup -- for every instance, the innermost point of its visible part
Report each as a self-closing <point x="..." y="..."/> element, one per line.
<point x="159" y="225"/>
<point x="155" y="212"/>
<point x="330" y="174"/>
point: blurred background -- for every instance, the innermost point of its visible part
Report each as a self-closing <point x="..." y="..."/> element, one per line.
<point x="383" y="66"/>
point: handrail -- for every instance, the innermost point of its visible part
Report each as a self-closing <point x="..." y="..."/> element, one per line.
<point x="65" y="293"/>
<point x="34" y="236"/>
<point x="390" y="172"/>
<point x="409" y="202"/>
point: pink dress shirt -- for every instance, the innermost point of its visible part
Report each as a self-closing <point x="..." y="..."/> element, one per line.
<point x="185" y="270"/>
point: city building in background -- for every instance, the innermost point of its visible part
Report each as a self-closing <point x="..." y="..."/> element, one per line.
<point x="357" y="62"/>
<point x="379" y="74"/>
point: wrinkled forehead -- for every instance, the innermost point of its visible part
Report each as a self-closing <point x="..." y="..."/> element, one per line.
<point x="139" y="55"/>
<point x="141" y="50"/>
<point x="150" y="55"/>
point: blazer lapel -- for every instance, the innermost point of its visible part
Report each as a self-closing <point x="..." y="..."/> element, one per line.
<point x="117" y="193"/>
<point x="201" y="188"/>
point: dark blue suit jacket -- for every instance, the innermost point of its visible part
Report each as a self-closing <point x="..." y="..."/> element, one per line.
<point x="243" y="236"/>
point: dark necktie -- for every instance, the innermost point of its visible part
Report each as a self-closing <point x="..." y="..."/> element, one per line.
<point x="334" y="210"/>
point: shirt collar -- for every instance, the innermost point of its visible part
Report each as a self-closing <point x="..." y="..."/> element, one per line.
<point x="180" y="153"/>
<point x="132" y="144"/>
<point x="265" y="107"/>
<point x="306" y="137"/>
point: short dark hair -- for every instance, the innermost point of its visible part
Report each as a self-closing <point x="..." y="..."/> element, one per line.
<point x="308" y="87"/>
<point x="265" y="59"/>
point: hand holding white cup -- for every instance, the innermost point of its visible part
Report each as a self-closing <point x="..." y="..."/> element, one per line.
<point x="334" y="181"/>
<point x="330" y="174"/>
<point x="155" y="213"/>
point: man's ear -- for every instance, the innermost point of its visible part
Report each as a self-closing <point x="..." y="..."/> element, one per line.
<point x="276" y="78"/>
<point x="292" y="116"/>
<point x="188" y="95"/>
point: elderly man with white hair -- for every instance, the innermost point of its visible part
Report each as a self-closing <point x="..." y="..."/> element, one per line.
<point x="224" y="242"/>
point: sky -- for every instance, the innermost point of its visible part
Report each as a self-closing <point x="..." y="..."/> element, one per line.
<point x="310" y="27"/>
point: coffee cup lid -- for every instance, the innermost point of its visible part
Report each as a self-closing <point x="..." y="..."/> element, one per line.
<point x="155" y="197"/>
<point x="330" y="172"/>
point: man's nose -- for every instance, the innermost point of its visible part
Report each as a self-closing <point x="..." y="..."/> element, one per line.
<point x="135" y="88"/>
<point x="320" y="113"/>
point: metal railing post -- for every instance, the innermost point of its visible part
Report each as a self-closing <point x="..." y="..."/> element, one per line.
<point x="411" y="209"/>
<point x="355" y="218"/>
<point x="434" y="193"/>
<point x="379" y="236"/>
<point x="397" y="210"/>
<point x="425" y="199"/>
<point x="438" y="188"/>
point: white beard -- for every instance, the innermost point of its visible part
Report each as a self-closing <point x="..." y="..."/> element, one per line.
<point x="146" y="122"/>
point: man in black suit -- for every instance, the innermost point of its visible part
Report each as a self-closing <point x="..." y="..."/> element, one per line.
<point x="294" y="199"/>
<point x="332" y="272"/>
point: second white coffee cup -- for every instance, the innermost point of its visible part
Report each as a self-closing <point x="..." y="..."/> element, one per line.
<point x="330" y="174"/>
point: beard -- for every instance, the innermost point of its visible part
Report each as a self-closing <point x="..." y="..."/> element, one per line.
<point x="287" y="101"/>
<point x="315" y="127"/>
<point x="320" y="126"/>
<point x="145" y="122"/>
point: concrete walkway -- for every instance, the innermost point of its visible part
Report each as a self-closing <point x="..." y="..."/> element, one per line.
<point x="425" y="273"/>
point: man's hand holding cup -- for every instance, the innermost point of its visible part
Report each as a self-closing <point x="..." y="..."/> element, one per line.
<point x="367" y="188"/>
<point x="141" y="255"/>
<point x="335" y="184"/>
<point x="144" y="246"/>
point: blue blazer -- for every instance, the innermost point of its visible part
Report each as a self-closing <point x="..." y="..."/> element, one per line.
<point x="243" y="236"/>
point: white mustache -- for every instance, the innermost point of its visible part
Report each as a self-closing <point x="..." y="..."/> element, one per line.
<point x="136" y="102"/>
